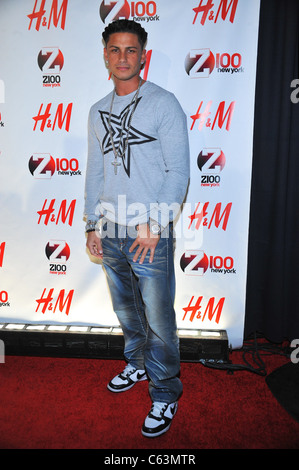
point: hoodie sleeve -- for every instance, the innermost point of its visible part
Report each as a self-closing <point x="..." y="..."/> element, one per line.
<point x="173" y="135"/>
<point x="94" y="181"/>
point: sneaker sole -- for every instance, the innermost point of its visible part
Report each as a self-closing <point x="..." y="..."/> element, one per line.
<point x="119" y="390"/>
<point x="155" y="434"/>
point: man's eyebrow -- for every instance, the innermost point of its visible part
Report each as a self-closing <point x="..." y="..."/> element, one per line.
<point x="127" y="47"/>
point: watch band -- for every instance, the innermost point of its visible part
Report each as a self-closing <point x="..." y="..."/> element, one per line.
<point x="90" y="226"/>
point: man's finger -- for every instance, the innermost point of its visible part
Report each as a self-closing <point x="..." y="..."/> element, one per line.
<point x="133" y="246"/>
<point x="152" y="252"/>
<point x="144" y="253"/>
<point x="138" y="252"/>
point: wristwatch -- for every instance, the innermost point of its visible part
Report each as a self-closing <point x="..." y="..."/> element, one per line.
<point x="154" y="227"/>
<point x="90" y="226"/>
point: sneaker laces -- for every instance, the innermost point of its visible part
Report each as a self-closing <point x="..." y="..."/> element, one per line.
<point x="128" y="370"/>
<point x="158" y="409"/>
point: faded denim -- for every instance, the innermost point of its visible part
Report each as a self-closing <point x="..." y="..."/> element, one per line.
<point x="142" y="297"/>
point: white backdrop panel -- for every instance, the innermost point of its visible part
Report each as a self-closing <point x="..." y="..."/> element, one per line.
<point x="204" y="52"/>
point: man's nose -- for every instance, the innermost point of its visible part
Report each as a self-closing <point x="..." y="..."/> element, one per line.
<point x="123" y="56"/>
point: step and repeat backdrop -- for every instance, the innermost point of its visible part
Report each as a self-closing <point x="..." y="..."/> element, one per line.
<point x="51" y="71"/>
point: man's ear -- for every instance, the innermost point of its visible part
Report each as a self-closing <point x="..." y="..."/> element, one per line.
<point x="143" y="58"/>
<point x="105" y="54"/>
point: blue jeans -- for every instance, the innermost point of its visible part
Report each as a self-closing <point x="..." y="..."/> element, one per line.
<point x="143" y="297"/>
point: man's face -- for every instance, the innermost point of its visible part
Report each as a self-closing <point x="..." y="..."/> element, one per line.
<point x="124" y="55"/>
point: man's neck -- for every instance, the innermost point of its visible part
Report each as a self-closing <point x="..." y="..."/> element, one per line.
<point x="125" y="87"/>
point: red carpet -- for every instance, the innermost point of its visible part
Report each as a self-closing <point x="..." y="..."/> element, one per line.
<point x="49" y="403"/>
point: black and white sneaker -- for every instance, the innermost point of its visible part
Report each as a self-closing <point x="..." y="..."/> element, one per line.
<point x="159" y="419"/>
<point x="127" y="379"/>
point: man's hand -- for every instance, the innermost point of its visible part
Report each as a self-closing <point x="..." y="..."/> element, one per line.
<point x="94" y="244"/>
<point x="145" y="242"/>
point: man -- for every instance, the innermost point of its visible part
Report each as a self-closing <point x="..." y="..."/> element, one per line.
<point x="137" y="176"/>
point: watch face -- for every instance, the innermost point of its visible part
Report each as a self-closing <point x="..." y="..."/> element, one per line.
<point x="155" y="229"/>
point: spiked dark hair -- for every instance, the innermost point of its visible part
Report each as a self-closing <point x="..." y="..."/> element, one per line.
<point x="125" y="26"/>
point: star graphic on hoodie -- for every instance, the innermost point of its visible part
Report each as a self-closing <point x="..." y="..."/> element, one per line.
<point x="135" y="137"/>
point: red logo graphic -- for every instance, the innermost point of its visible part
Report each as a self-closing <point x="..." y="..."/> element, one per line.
<point x="111" y="10"/>
<point x="57" y="251"/>
<point x="43" y="166"/>
<point x="61" y="302"/>
<point x="210" y="311"/>
<point x="196" y="263"/>
<point x="200" y="63"/>
<point x="204" y="118"/>
<point x="1" y="122"/>
<point x="205" y="8"/>
<point x="222" y="265"/>
<point x="50" y="60"/>
<point x="211" y="162"/>
<point x="202" y="216"/>
<point x="67" y="166"/>
<point x="54" y="16"/>
<point x="59" y="118"/>
<point x="2" y="249"/>
<point x="229" y="63"/>
<point x="114" y="10"/>
<point x="63" y="213"/>
<point x="4" y="299"/>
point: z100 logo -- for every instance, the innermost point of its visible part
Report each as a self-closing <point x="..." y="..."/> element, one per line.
<point x="58" y="252"/>
<point x="200" y="63"/>
<point x="43" y="166"/>
<point x="54" y="16"/>
<point x="196" y="263"/>
<point x="139" y="11"/>
<point x="211" y="161"/>
<point x="59" y="118"/>
<point x="52" y="214"/>
<point x="4" y="299"/>
<point x="50" y="60"/>
<point x="205" y="9"/>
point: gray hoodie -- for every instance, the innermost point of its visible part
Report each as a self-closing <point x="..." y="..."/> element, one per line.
<point x="152" y="176"/>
